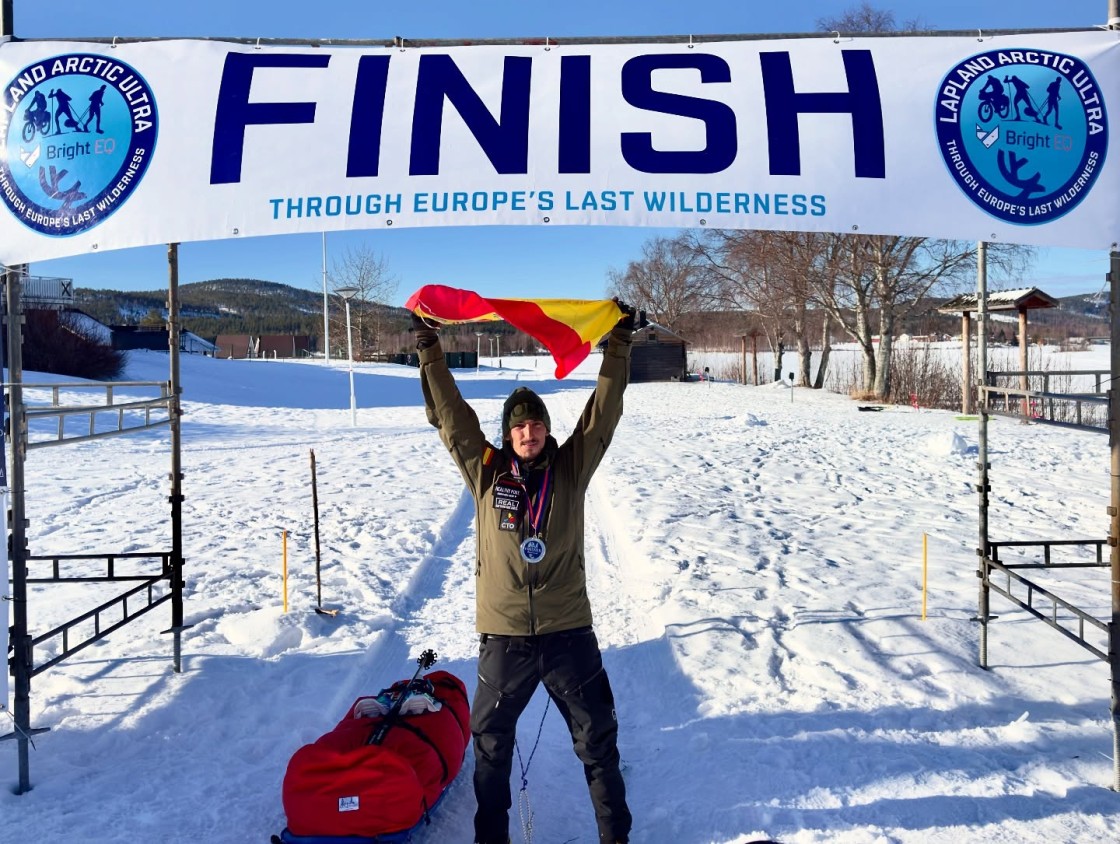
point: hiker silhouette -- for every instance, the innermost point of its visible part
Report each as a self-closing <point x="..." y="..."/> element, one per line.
<point x="96" y="100"/>
<point x="1053" y="94"/>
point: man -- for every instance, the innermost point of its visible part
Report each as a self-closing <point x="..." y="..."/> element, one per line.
<point x="532" y="610"/>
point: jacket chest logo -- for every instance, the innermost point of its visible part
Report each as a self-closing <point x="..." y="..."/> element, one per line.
<point x="508" y="496"/>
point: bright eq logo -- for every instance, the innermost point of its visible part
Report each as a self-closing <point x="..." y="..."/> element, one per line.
<point x="79" y="131"/>
<point x="1023" y="132"/>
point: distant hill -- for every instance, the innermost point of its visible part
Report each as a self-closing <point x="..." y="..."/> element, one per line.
<point x="256" y="307"/>
<point x="219" y="306"/>
<point x="1090" y="305"/>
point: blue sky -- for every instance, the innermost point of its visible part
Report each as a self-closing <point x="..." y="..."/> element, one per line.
<point x="511" y="261"/>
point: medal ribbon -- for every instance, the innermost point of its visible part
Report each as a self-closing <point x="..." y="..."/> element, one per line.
<point x="536" y="509"/>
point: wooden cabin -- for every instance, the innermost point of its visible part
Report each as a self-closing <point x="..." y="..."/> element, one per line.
<point x="658" y="354"/>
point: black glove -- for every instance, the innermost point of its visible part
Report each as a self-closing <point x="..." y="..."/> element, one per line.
<point x="426" y="333"/>
<point x="629" y="319"/>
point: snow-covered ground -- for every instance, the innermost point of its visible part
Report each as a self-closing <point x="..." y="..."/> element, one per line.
<point x="754" y="558"/>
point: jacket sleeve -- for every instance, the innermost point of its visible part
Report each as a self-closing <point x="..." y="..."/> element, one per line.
<point x="450" y="414"/>
<point x="600" y="416"/>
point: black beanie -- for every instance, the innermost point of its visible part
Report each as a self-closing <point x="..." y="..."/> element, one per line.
<point x="522" y="405"/>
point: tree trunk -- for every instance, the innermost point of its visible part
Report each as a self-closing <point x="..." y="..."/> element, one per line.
<point x="883" y="362"/>
<point x="867" y="347"/>
<point x="804" y="360"/>
<point x="826" y="350"/>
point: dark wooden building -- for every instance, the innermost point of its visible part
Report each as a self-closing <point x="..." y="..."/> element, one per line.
<point x="658" y="354"/>
<point x="154" y="338"/>
<point x="267" y="346"/>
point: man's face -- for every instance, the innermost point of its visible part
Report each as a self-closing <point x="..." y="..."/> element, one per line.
<point x="528" y="438"/>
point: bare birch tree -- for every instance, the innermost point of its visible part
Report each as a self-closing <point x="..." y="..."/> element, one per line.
<point x="776" y="274"/>
<point x="880" y="280"/>
<point x="368" y="272"/>
<point x="867" y="18"/>
<point x="667" y="282"/>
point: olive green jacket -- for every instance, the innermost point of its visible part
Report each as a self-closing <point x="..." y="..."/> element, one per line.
<point x="515" y="598"/>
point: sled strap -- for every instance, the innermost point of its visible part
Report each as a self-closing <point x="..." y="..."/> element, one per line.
<point x="420" y="734"/>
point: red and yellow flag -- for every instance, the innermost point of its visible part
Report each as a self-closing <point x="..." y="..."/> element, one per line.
<point x="566" y="327"/>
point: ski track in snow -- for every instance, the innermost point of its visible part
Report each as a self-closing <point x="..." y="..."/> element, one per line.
<point x="753" y="565"/>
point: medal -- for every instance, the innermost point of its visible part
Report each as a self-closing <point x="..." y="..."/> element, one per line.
<point x="533" y="549"/>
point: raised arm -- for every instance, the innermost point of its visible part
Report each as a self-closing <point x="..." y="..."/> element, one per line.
<point x="446" y="408"/>
<point x="603" y="410"/>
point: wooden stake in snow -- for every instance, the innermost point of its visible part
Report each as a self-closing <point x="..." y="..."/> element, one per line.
<point x="318" y="554"/>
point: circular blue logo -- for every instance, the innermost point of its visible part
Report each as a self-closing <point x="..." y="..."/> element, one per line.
<point x="79" y="131"/>
<point x="1023" y="132"/>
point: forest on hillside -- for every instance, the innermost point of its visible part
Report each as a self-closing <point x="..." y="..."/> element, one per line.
<point x="210" y="308"/>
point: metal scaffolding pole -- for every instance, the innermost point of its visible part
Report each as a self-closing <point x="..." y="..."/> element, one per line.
<point x="1114" y="456"/>
<point x="983" y="487"/>
<point x="326" y="308"/>
<point x="17" y="543"/>
<point x="174" y="410"/>
<point x="1114" y="514"/>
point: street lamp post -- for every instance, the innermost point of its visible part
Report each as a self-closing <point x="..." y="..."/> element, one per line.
<point x="348" y="293"/>
<point x="326" y="317"/>
<point x="477" y="351"/>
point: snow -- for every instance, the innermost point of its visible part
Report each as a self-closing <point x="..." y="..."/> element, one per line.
<point x="754" y="561"/>
<point x="92" y="327"/>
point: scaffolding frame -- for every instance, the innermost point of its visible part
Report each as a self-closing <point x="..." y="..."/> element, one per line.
<point x="18" y="537"/>
<point x="147" y="588"/>
<point x="1014" y="581"/>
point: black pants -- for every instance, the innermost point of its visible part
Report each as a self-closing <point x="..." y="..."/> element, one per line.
<point x="571" y="668"/>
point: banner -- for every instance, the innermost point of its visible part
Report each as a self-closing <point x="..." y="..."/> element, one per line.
<point x="1002" y="138"/>
<point x="5" y="587"/>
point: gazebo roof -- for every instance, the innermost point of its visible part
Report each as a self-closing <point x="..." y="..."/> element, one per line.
<point x="1024" y="299"/>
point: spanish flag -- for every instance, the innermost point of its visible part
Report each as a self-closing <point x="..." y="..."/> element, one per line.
<point x="566" y="327"/>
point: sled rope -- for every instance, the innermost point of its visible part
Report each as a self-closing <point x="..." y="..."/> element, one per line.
<point x="524" y="807"/>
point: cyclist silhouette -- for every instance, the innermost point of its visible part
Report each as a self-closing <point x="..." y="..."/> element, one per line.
<point x="37" y="118"/>
<point x="993" y="100"/>
<point x="38" y="104"/>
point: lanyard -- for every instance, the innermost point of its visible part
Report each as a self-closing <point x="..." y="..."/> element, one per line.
<point x="536" y="509"/>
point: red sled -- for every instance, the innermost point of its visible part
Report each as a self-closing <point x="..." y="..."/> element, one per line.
<point x="343" y="787"/>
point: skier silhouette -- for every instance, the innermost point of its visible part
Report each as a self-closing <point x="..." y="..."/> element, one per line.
<point x="62" y="109"/>
<point x="96" y="100"/>
<point x="1052" y="96"/>
<point x="1021" y="96"/>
